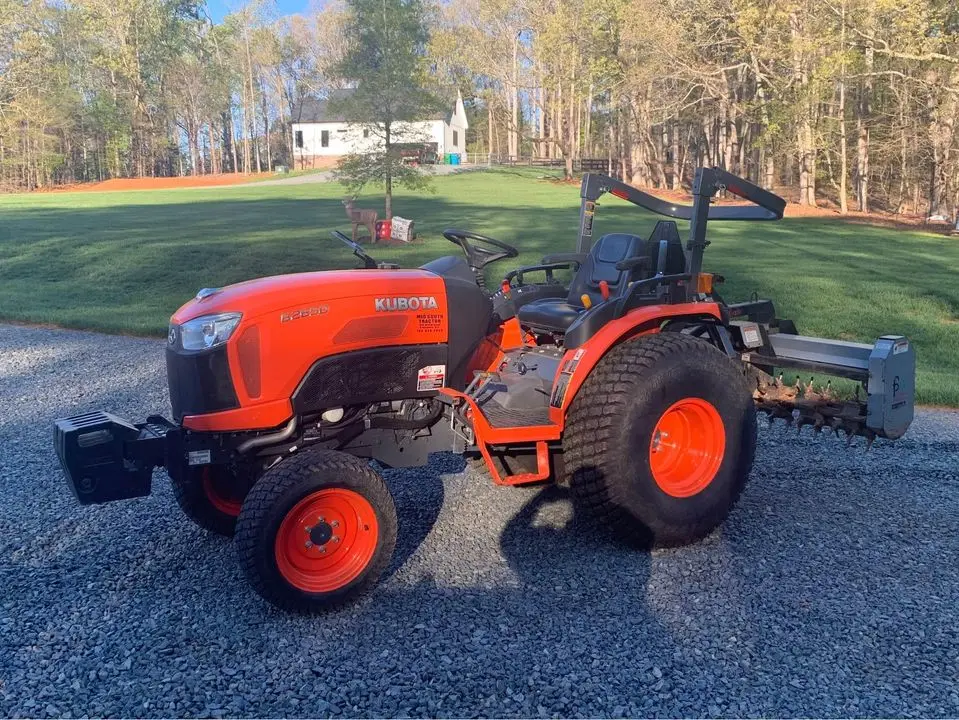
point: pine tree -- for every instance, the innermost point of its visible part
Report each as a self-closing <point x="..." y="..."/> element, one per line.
<point x="386" y="64"/>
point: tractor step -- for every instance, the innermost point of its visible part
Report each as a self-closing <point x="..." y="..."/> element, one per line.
<point x="504" y="417"/>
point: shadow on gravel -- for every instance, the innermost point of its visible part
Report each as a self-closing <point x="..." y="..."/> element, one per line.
<point x="418" y="494"/>
<point x="552" y="547"/>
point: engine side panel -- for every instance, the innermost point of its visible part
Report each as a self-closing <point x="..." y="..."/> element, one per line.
<point x="271" y="353"/>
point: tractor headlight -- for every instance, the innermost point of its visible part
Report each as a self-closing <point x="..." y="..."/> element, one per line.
<point x="208" y="331"/>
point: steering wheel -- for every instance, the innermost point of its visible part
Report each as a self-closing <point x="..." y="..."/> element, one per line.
<point x="479" y="256"/>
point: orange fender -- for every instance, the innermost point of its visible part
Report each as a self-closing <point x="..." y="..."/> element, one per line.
<point x="578" y="363"/>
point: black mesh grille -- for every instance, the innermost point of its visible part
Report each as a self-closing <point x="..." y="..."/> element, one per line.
<point x="366" y="376"/>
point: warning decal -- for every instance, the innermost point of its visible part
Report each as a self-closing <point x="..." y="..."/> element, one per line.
<point x="430" y="377"/>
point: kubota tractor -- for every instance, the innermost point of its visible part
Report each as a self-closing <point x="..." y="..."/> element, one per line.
<point x="636" y="385"/>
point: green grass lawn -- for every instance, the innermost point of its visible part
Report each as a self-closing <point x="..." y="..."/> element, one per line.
<point x="123" y="262"/>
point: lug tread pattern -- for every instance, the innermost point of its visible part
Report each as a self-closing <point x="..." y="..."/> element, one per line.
<point x="276" y="492"/>
<point x="597" y="415"/>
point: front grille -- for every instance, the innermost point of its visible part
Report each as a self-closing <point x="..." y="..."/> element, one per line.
<point x="362" y="376"/>
<point x="199" y="382"/>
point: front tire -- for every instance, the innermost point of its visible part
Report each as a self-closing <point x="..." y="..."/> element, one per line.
<point x="660" y="440"/>
<point x="316" y="531"/>
<point x="210" y="495"/>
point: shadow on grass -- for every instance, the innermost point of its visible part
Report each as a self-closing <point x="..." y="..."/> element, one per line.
<point x="127" y="267"/>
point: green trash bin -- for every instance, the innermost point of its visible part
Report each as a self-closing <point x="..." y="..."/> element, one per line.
<point x="446" y="158"/>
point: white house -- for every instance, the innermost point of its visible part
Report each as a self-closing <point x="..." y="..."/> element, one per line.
<point x="321" y="135"/>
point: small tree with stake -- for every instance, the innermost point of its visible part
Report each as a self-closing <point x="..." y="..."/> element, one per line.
<point x="386" y="64"/>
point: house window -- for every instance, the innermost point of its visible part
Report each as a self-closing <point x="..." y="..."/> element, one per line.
<point x="299" y="139"/>
<point x="366" y="132"/>
<point x="325" y="138"/>
<point x="456" y="138"/>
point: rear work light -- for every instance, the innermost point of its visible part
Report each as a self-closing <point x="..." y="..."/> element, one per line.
<point x="704" y="283"/>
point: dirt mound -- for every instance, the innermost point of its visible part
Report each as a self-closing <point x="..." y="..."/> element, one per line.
<point x="162" y="183"/>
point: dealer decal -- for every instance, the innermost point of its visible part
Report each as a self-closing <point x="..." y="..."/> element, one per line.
<point x="430" y="377"/>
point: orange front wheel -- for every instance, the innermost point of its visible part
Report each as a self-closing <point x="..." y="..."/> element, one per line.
<point x="327" y="540"/>
<point x="210" y="495"/>
<point x="316" y="531"/>
<point x="219" y="489"/>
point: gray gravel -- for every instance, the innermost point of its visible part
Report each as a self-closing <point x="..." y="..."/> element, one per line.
<point x="831" y="591"/>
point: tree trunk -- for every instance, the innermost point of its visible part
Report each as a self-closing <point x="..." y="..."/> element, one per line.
<point x="863" y="111"/>
<point x="266" y="132"/>
<point x="677" y="181"/>
<point x="388" y="145"/>
<point x="843" y="170"/>
<point x="842" y="116"/>
<point x="589" y="117"/>
<point x="489" y="129"/>
<point x="514" y="101"/>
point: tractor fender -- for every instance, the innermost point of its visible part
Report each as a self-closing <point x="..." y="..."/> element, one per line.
<point x="579" y="362"/>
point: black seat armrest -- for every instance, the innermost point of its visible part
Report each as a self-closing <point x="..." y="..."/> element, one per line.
<point x="545" y="267"/>
<point x="633" y="263"/>
<point x="572" y="258"/>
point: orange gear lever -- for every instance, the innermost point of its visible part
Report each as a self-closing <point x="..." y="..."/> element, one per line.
<point x="604" y="289"/>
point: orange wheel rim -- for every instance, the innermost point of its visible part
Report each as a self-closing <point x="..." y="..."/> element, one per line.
<point x="326" y="540"/>
<point x="217" y="492"/>
<point x="687" y="447"/>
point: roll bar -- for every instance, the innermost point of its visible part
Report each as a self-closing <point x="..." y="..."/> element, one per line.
<point x="706" y="183"/>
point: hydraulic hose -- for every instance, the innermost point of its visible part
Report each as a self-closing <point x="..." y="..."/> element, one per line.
<point x="269" y="439"/>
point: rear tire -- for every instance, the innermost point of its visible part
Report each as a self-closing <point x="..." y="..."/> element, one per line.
<point x="316" y="531"/>
<point x="660" y="440"/>
<point x="210" y="495"/>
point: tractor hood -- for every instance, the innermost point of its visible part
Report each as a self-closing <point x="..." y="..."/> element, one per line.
<point x="303" y="292"/>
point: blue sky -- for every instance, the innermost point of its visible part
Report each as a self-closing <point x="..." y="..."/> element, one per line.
<point x="219" y="8"/>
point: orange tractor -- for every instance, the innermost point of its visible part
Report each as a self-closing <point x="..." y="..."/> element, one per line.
<point x="635" y="384"/>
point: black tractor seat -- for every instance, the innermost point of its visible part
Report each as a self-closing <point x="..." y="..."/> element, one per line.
<point x="664" y="251"/>
<point x="555" y="315"/>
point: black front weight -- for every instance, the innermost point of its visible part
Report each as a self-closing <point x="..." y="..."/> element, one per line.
<point x="107" y="458"/>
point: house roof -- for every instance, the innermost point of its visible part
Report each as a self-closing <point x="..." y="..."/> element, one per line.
<point x="313" y="110"/>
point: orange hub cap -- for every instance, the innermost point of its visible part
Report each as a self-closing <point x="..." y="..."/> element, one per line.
<point x="217" y="491"/>
<point x="326" y="541"/>
<point x="687" y="447"/>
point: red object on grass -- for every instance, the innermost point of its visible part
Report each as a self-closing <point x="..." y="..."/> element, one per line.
<point x="384" y="229"/>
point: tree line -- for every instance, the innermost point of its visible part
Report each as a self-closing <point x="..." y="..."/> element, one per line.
<point x="851" y="101"/>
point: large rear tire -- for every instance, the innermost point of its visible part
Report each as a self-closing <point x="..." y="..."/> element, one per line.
<point x="210" y="495"/>
<point x="660" y="440"/>
<point x="316" y="531"/>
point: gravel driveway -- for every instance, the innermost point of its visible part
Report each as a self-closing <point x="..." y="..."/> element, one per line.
<point x="831" y="591"/>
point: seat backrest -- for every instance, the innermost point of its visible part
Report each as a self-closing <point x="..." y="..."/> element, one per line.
<point x="666" y="249"/>
<point x="600" y="265"/>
